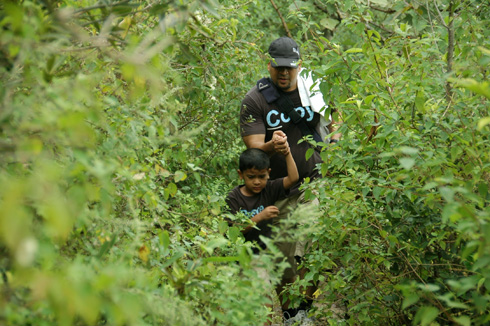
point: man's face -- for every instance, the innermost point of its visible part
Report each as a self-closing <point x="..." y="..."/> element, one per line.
<point x="255" y="180"/>
<point x="284" y="77"/>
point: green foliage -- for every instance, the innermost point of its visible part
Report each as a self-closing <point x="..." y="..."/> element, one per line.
<point x="119" y="139"/>
<point x="405" y="194"/>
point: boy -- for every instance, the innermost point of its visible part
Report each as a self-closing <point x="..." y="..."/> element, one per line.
<point x="256" y="197"/>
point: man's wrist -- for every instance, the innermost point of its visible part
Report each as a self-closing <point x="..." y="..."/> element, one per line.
<point x="270" y="149"/>
<point x="334" y="140"/>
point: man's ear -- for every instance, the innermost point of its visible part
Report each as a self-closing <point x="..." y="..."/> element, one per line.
<point x="240" y="174"/>
<point x="269" y="66"/>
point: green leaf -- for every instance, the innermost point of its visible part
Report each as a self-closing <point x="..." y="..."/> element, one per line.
<point x="483" y="122"/>
<point x="383" y="233"/>
<point x="448" y="298"/>
<point x="354" y="50"/>
<point x="382" y="3"/>
<point x="409" y="300"/>
<point x="480" y="283"/>
<point x="170" y="190"/>
<point x="368" y="99"/>
<point x="164" y="239"/>
<point x="450" y="212"/>
<point x="233" y="233"/>
<point x="473" y="85"/>
<point x="429" y="287"/>
<point x="16" y="14"/>
<point x="244" y="258"/>
<point x="420" y="104"/>
<point x="407" y="163"/>
<point x="221" y="259"/>
<point x="408" y="150"/>
<point x="106" y="246"/>
<point x="374" y="34"/>
<point x="179" y="176"/>
<point x="309" y="153"/>
<point x="213" y="244"/>
<point x="483" y="189"/>
<point x="463" y="320"/>
<point x="329" y="23"/>
<point x="173" y="259"/>
<point x="56" y="213"/>
<point x="197" y="176"/>
<point x="426" y="315"/>
<point x="447" y="193"/>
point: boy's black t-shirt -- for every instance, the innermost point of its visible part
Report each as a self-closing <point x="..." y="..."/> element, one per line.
<point x="251" y="206"/>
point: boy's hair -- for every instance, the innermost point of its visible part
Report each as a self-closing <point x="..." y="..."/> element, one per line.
<point x="254" y="158"/>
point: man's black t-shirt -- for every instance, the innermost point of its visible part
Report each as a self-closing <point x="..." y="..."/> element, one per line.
<point x="259" y="117"/>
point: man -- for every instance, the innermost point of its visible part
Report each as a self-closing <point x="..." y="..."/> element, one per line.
<point x="283" y="102"/>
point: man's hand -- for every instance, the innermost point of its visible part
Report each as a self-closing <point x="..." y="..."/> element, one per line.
<point x="280" y="142"/>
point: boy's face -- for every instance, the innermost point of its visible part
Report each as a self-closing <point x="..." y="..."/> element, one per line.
<point x="255" y="180"/>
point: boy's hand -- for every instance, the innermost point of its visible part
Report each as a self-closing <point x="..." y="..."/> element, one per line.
<point x="280" y="141"/>
<point x="270" y="212"/>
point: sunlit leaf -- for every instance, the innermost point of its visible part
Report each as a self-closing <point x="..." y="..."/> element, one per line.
<point x="179" y="176"/>
<point x="143" y="253"/>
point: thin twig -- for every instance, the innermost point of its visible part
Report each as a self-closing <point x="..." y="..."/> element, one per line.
<point x="450" y="50"/>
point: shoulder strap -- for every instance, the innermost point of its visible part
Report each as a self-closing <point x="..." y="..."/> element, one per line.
<point x="271" y="95"/>
<point x="267" y="89"/>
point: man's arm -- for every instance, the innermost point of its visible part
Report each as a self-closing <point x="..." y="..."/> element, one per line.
<point x="277" y="144"/>
<point x="258" y="141"/>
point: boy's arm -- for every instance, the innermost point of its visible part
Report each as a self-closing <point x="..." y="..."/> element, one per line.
<point x="233" y="208"/>
<point x="268" y="213"/>
<point x="293" y="175"/>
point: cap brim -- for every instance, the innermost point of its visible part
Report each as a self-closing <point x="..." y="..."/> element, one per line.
<point x="284" y="62"/>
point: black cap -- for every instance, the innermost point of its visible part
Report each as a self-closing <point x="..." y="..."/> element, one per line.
<point x="284" y="52"/>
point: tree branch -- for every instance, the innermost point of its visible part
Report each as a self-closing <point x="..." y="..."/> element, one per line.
<point x="282" y="18"/>
<point x="321" y="6"/>
<point x="386" y="11"/>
